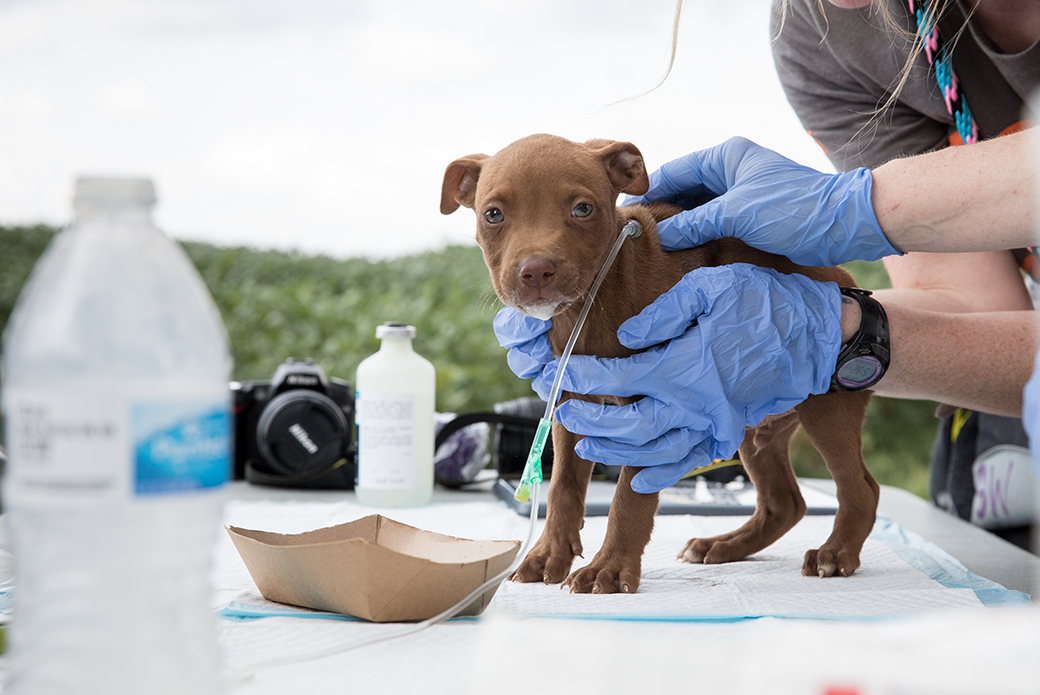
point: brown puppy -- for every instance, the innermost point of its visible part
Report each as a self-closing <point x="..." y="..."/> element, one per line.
<point x="546" y="220"/>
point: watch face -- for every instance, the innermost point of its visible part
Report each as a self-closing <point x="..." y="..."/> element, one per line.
<point x="859" y="371"/>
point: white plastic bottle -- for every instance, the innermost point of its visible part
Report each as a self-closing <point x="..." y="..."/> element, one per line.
<point x="115" y="392"/>
<point x="394" y="414"/>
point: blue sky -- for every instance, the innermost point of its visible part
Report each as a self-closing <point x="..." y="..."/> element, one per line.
<point x="325" y="126"/>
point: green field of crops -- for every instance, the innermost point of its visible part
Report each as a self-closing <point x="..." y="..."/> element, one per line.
<point x="278" y="305"/>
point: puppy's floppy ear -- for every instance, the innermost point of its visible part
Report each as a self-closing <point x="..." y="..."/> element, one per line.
<point x="460" y="183"/>
<point x="624" y="164"/>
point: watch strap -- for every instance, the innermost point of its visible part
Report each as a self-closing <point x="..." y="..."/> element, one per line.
<point x="870" y="342"/>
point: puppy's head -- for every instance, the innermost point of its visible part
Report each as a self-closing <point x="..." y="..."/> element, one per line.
<point x="546" y="214"/>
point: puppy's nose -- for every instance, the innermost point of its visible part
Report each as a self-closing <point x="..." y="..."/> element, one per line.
<point x="538" y="272"/>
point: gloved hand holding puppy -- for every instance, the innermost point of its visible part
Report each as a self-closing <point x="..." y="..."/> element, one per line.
<point x="729" y="345"/>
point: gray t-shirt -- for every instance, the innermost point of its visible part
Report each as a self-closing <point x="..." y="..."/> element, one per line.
<point x="839" y="67"/>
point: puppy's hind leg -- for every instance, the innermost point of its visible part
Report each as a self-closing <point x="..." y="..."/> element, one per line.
<point x="779" y="505"/>
<point x="834" y="423"/>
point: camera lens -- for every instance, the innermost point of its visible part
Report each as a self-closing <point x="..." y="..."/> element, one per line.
<point x="301" y="431"/>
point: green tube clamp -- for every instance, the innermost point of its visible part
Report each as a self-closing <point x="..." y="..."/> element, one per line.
<point x="533" y="467"/>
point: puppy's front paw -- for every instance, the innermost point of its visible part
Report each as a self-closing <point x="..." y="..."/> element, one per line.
<point x="610" y="574"/>
<point x="548" y="561"/>
<point x="829" y="562"/>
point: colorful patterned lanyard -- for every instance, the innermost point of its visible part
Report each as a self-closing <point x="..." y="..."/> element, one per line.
<point x="939" y="60"/>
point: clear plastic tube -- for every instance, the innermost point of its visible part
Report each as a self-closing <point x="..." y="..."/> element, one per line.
<point x="631" y="229"/>
<point x="533" y="469"/>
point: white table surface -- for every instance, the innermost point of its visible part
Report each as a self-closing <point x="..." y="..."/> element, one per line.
<point x="966" y="650"/>
<point x="981" y="552"/>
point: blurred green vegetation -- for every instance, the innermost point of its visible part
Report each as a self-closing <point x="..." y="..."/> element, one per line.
<point x="278" y="305"/>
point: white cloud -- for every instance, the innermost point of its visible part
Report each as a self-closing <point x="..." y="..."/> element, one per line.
<point x="23" y="30"/>
<point x="128" y="98"/>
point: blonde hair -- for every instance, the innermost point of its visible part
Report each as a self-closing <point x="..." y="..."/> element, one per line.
<point x="671" y="58"/>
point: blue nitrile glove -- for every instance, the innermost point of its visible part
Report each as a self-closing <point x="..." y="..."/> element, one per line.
<point x="1031" y="414"/>
<point x="525" y="338"/>
<point x="742" y="342"/>
<point x="738" y="189"/>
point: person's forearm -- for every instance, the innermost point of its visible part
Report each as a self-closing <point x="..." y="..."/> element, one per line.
<point x="976" y="198"/>
<point x="979" y="361"/>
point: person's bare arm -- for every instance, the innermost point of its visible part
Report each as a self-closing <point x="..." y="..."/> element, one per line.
<point x="976" y="361"/>
<point x="962" y="329"/>
<point x="958" y="282"/>
<point x="940" y="201"/>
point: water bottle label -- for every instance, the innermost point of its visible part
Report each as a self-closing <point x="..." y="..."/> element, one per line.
<point x="89" y="445"/>
<point x="180" y="446"/>
<point x="66" y="445"/>
<point x="386" y="440"/>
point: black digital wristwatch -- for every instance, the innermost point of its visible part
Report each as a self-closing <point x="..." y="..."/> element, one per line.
<point x="863" y="360"/>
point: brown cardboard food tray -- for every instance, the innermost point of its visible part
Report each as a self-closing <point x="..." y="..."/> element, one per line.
<point x="373" y="568"/>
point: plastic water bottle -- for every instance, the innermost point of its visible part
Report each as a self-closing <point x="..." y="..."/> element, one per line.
<point x="394" y="414"/>
<point x="115" y="392"/>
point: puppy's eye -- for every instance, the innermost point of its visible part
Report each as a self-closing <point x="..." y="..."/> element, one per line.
<point x="582" y="210"/>
<point x="494" y="216"/>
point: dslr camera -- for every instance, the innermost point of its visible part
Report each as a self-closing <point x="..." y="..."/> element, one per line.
<point x="296" y="430"/>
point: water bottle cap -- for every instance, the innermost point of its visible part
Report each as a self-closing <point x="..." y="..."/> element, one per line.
<point x="107" y="190"/>
<point x="395" y="330"/>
